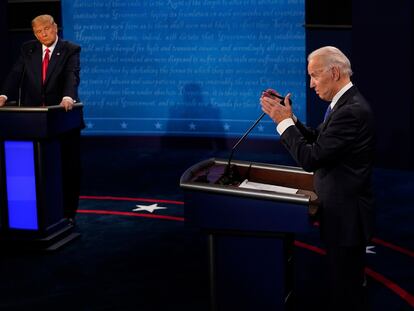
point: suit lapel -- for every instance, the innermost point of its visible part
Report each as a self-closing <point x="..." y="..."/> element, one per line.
<point x="35" y="61"/>
<point x="342" y="100"/>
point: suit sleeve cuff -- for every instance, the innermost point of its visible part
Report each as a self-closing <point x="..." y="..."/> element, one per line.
<point x="283" y="125"/>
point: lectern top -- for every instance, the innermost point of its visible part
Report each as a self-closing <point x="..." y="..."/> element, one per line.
<point x="32" y="123"/>
<point x="37" y="108"/>
<point x="204" y="177"/>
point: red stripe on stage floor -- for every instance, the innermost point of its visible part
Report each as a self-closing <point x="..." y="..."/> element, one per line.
<point x="103" y="212"/>
<point x="409" y="298"/>
<point x="393" y="247"/>
<point x="387" y="244"/>
<point x="403" y="294"/>
<point x="312" y="248"/>
<point x="91" y="197"/>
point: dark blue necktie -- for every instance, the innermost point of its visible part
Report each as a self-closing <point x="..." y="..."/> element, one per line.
<point x="327" y="113"/>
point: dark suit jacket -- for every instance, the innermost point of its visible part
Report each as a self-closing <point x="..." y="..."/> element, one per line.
<point x="340" y="152"/>
<point x="62" y="78"/>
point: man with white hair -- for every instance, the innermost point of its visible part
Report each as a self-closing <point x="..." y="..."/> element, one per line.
<point x="340" y="152"/>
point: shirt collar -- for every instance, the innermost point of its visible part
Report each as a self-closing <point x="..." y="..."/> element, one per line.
<point x="339" y="94"/>
<point x="51" y="48"/>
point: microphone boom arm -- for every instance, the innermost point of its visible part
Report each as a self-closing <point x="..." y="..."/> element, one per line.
<point x="228" y="176"/>
<point x="242" y="138"/>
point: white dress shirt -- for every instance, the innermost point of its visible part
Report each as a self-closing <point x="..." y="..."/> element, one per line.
<point x="51" y="49"/>
<point x="283" y="125"/>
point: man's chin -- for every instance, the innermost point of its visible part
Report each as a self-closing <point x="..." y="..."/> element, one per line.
<point x="324" y="98"/>
<point x="47" y="43"/>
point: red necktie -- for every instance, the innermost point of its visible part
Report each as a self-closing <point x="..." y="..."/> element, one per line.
<point x="45" y="64"/>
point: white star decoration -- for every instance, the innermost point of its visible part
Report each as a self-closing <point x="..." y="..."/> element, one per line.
<point x="261" y="128"/>
<point x="370" y="250"/>
<point x="89" y="125"/>
<point x="226" y="126"/>
<point x="192" y="126"/>
<point x="158" y="125"/>
<point x="149" y="208"/>
<point x="124" y="125"/>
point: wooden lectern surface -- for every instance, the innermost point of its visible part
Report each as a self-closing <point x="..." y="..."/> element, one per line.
<point x="212" y="172"/>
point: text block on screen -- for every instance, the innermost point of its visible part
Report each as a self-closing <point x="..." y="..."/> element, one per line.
<point x="192" y="67"/>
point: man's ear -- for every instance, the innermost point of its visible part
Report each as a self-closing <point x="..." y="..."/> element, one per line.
<point x="336" y="73"/>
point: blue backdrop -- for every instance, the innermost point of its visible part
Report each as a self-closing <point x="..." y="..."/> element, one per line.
<point x="186" y="67"/>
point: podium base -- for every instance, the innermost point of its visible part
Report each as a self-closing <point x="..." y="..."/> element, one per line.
<point x="51" y="242"/>
<point x="59" y="238"/>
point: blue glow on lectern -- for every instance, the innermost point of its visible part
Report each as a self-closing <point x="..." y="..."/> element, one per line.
<point x="21" y="185"/>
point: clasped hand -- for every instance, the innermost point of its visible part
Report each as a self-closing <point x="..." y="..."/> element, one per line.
<point x="271" y="105"/>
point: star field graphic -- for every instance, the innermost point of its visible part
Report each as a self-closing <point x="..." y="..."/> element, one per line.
<point x="185" y="67"/>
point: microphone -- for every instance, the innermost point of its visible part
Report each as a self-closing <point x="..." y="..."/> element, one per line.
<point x="19" y="90"/>
<point x="19" y="99"/>
<point x="230" y="175"/>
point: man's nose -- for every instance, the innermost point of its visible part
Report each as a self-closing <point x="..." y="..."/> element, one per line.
<point x="312" y="83"/>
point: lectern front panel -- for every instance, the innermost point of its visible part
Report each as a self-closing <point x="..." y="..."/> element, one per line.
<point x="250" y="230"/>
<point x="21" y="185"/>
<point x="31" y="191"/>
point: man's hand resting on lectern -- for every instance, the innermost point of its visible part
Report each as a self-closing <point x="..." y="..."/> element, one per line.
<point x="2" y="100"/>
<point x="313" y="202"/>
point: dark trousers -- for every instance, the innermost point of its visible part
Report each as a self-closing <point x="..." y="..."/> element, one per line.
<point x="71" y="172"/>
<point x="346" y="277"/>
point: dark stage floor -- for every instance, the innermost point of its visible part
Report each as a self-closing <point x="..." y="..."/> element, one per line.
<point x="136" y="260"/>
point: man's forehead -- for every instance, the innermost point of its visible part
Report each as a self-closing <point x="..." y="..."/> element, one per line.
<point x="316" y="69"/>
<point x="315" y="65"/>
<point x="41" y="24"/>
<point x="316" y="61"/>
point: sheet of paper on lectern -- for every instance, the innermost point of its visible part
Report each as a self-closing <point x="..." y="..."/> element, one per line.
<point x="260" y="186"/>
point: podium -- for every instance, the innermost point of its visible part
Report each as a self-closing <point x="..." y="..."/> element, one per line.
<point x="250" y="232"/>
<point x="31" y="201"/>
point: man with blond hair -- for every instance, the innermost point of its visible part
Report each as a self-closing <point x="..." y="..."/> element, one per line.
<point x="340" y="152"/>
<point x="53" y="84"/>
<point x="47" y="74"/>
